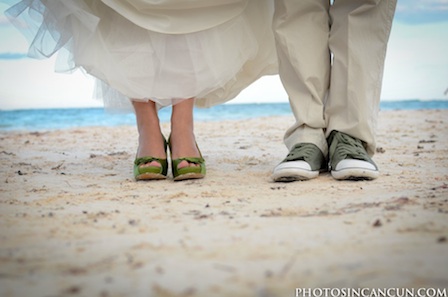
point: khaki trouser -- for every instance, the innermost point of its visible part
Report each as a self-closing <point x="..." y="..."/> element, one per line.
<point x="339" y="91"/>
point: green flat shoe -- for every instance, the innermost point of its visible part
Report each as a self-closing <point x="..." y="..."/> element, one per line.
<point x="151" y="172"/>
<point x="191" y="172"/>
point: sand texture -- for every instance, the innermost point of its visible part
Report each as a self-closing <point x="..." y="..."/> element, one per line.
<point x="75" y="223"/>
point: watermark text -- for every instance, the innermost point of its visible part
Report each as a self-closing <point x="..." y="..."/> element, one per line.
<point x="371" y="292"/>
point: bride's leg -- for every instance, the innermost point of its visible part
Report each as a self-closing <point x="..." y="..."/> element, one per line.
<point x="183" y="142"/>
<point x="150" y="142"/>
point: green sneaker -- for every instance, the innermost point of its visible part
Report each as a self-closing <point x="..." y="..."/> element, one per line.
<point x="349" y="159"/>
<point x="304" y="161"/>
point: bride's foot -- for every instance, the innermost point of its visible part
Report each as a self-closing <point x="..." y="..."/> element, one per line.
<point x="182" y="145"/>
<point x="187" y="161"/>
<point x="182" y="140"/>
<point x="151" y="160"/>
<point x="189" y="164"/>
<point x="153" y="145"/>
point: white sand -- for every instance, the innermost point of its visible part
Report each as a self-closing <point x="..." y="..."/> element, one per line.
<point x="75" y="223"/>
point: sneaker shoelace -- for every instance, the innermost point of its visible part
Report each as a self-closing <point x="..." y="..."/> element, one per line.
<point x="301" y="152"/>
<point x="348" y="147"/>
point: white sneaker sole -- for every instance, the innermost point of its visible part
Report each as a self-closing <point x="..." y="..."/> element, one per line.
<point x="293" y="171"/>
<point x="355" y="170"/>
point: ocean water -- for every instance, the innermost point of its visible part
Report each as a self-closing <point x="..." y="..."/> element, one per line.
<point x="51" y="119"/>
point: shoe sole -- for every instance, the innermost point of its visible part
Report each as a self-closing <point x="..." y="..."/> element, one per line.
<point x="187" y="176"/>
<point x="150" y="176"/>
<point x="355" y="174"/>
<point x="290" y="175"/>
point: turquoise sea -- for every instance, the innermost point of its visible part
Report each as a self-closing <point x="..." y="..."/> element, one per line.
<point x="50" y="119"/>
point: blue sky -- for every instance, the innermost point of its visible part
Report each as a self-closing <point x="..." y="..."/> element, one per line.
<point x="416" y="65"/>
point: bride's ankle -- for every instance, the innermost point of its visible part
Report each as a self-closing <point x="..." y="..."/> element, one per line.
<point x="183" y="146"/>
<point x="151" y="145"/>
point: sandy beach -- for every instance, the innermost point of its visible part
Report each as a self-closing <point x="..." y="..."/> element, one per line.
<point x="75" y="223"/>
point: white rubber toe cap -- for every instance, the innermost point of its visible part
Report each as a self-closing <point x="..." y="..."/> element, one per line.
<point x="294" y="170"/>
<point x="352" y="163"/>
<point x="354" y="169"/>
